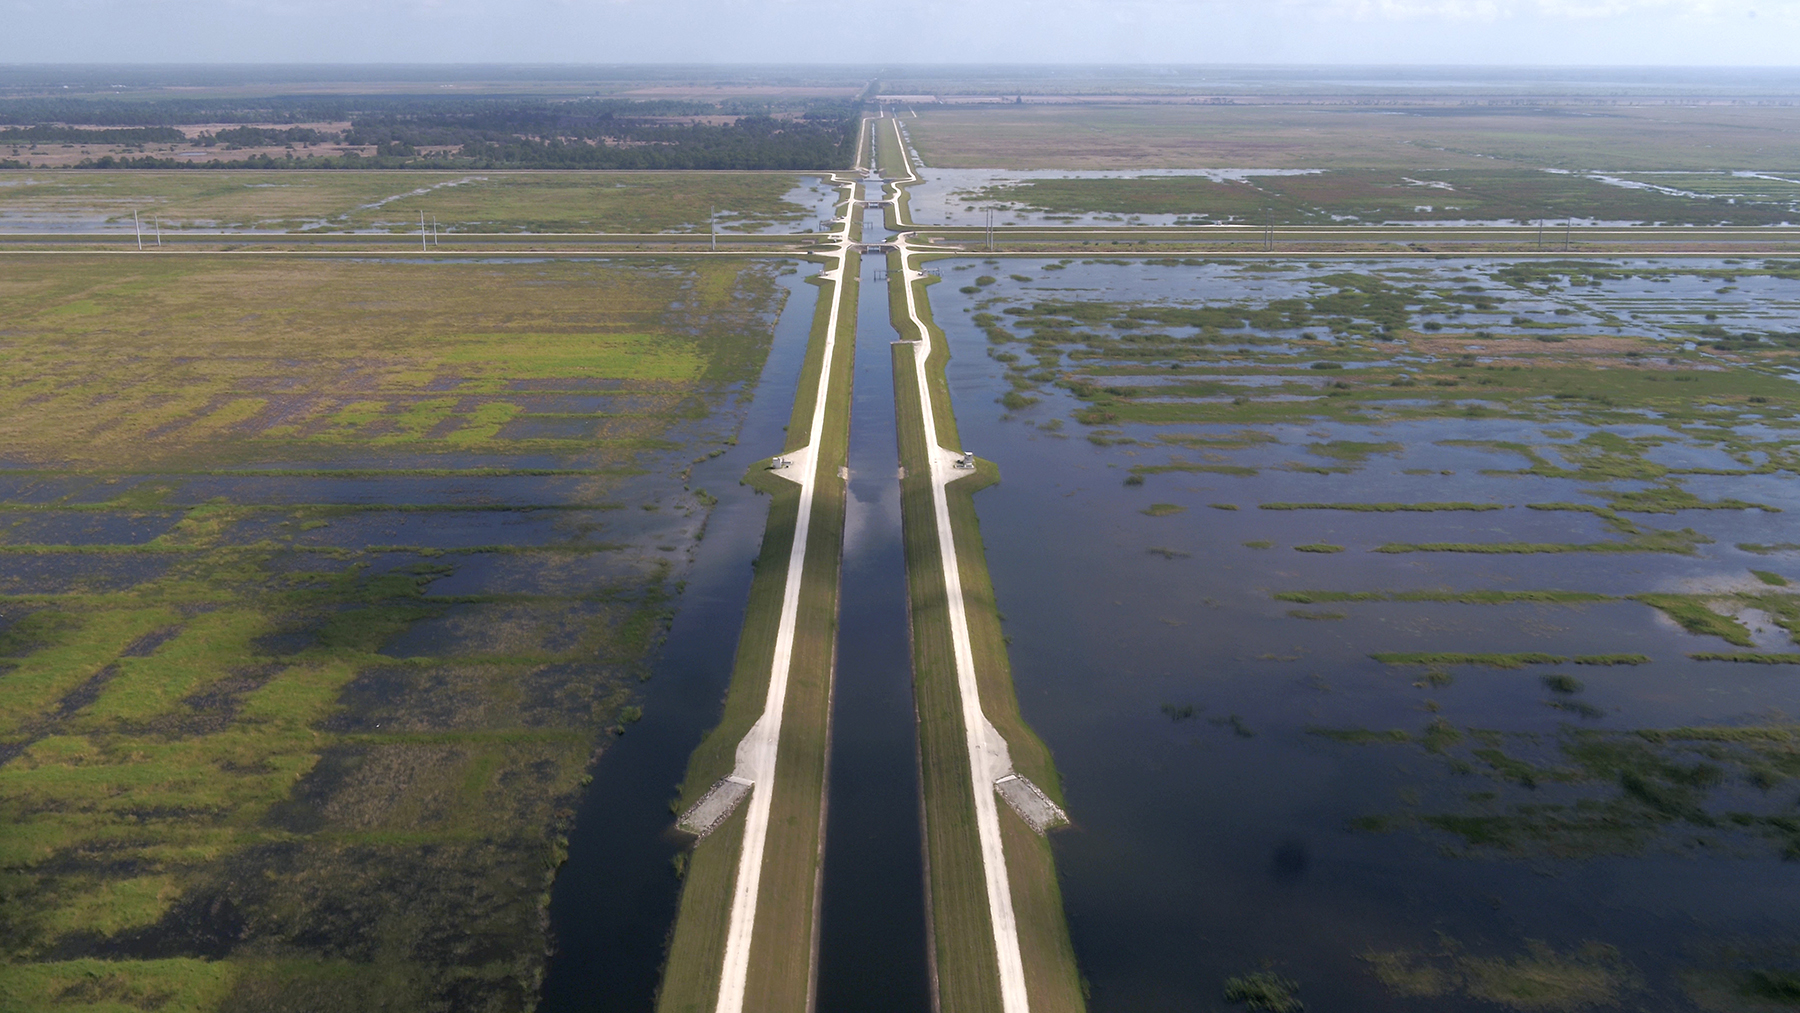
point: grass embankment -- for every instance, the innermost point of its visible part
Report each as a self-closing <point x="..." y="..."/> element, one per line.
<point x="781" y="956"/>
<point x="240" y="731"/>
<point x="894" y="163"/>
<point x="963" y="936"/>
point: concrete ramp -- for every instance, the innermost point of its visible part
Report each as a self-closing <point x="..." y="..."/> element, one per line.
<point x="1030" y="802"/>
<point x="704" y="816"/>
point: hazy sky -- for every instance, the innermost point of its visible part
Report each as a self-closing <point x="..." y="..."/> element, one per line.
<point x="1726" y="32"/>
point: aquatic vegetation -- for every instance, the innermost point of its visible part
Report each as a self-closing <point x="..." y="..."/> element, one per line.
<point x="1749" y="659"/>
<point x="1612" y="659"/>
<point x="1692" y="613"/>
<point x="1453" y="658"/>
<point x="1562" y="683"/>
<point x="1385" y="508"/>
<point x="1459" y="597"/>
<point x="1683" y="543"/>
<point x="1541" y="978"/>
<point x="1265" y="990"/>
<point x="1304" y="614"/>
<point x="1163" y="509"/>
<point x="1360" y="735"/>
<point x="1770" y="578"/>
<point x="1321" y="547"/>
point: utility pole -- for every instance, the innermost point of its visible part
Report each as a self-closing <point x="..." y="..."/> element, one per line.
<point x="422" y="247"/>
<point x="434" y="235"/>
<point x="159" y="231"/>
<point x="137" y="230"/>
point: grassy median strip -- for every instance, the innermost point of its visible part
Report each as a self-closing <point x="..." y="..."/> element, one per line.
<point x="782" y="958"/>
<point x="963" y="934"/>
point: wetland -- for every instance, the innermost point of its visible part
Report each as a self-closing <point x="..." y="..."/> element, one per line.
<point x="1532" y="500"/>
<point x="323" y="586"/>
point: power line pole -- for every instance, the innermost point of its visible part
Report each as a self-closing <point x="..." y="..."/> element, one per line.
<point x="434" y="234"/>
<point x="159" y="231"/>
<point x="137" y="230"/>
<point x="422" y="247"/>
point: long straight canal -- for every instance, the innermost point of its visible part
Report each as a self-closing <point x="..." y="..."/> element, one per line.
<point x="872" y="945"/>
<point x="614" y="901"/>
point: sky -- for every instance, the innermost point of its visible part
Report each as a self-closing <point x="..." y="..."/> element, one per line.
<point x="1505" y="32"/>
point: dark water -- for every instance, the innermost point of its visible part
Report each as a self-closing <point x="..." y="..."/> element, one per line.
<point x="614" y="901"/>
<point x="1218" y="841"/>
<point x="872" y="929"/>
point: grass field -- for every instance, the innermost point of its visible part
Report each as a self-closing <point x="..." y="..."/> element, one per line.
<point x="1244" y="136"/>
<point x="323" y="583"/>
<point x="1348" y="196"/>
<point x="392" y="200"/>
<point x="781" y="964"/>
<point x="962" y="933"/>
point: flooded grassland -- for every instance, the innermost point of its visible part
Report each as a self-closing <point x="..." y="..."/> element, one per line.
<point x="235" y="200"/>
<point x="320" y="586"/>
<point x="1418" y="635"/>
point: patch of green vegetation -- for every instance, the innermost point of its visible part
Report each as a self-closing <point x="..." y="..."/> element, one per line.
<point x="1770" y="578"/>
<point x="1453" y="658"/>
<point x="1683" y="543"/>
<point x="1360" y="735"/>
<point x="1590" y="976"/>
<point x="1560" y="683"/>
<point x="1163" y="509"/>
<point x="1459" y="597"/>
<point x="1259" y="544"/>
<point x="1748" y="659"/>
<point x="1304" y="614"/>
<point x="1612" y="659"/>
<point x="1139" y="471"/>
<point x="1769" y="550"/>
<point x="1695" y="617"/>
<point x="1319" y="547"/>
<point x="1385" y="508"/>
<point x="1265" y="990"/>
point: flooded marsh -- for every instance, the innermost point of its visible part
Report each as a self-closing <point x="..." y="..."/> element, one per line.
<point x="306" y="645"/>
<point x="1508" y="767"/>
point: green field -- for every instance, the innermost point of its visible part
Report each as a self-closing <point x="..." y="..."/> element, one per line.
<point x="323" y="583"/>
<point x="474" y="201"/>
<point x="1343" y="135"/>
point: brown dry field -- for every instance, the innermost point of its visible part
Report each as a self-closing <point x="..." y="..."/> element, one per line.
<point x="1286" y="136"/>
